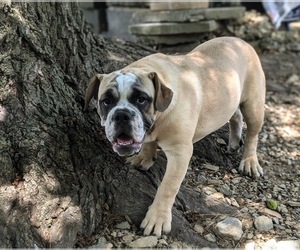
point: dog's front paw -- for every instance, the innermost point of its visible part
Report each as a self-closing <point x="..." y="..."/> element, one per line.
<point x="141" y="161"/>
<point x="157" y="220"/>
<point x="250" y="166"/>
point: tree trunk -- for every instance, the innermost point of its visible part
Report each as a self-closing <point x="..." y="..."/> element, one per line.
<point x="58" y="174"/>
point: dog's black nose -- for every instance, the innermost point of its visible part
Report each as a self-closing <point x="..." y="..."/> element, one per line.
<point x="122" y="116"/>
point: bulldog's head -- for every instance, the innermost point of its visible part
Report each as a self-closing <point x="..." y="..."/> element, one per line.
<point x="127" y="103"/>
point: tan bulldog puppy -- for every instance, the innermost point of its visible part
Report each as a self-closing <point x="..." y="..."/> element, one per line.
<point x="174" y="101"/>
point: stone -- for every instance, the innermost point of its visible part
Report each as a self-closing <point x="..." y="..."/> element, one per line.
<point x="293" y="78"/>
<point x="210" y="237"/>
<point x="101" y="243"/>
<point x="168" y="39"/>
<point x="162" y="242"/>
<point x="143" y="242"/>
<point x="201" y="179"/>
<point x="221" y="141"/>
<point x="224" y="13"/>
<point x="217" y="195"/>
<point x="174" y="5"/>
<point x="234" y="202"/>
<point x="271" y="213"/>
<point x="128" y="238"/>
<point x="237" y="180"/>
<point x="229" y="228"/>
<point x="293" y="203"/>
<point x="191" y="15"/>
<point x="250" y="235"/>
<point x="198" y="228"/>
<point x="288" y="244"/>
<point x="173" y="28"/>
<point x="225" y="189"/>
<point x="123" y="225"/>
<point x="263" y="223"/>
<point x="214" y="182"/>
<point x="211" y="167"/>
<point x="209" y="190"/>
<point x="270" y="244"/>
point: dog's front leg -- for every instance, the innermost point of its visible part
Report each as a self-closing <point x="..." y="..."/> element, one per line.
<point x="159" y="216"/>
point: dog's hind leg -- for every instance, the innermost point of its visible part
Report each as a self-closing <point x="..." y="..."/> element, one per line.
<point x="253" y="112"/>
<point x="146" y="157"/>
<point x="235" y="132"/>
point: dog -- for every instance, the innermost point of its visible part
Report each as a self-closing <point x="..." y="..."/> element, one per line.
<point x="172" y="101"/>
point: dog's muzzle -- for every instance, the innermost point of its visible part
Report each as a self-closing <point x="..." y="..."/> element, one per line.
<point x="124" y="142"/>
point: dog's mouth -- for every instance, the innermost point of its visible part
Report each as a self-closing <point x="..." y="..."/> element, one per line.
<point x="123" y="140"/>
<point x="125" y="145"/>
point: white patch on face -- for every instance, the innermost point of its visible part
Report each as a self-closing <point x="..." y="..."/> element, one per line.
<point x="125" y="84"/>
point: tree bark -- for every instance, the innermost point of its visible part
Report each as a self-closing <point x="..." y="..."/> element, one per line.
<point x="58" y="174"/>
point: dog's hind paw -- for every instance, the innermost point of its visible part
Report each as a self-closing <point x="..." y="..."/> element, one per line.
<point x="157" y="221"/>
<point x="250" y="166"/>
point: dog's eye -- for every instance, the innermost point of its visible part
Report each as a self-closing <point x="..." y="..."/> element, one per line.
<point x="141" y="100"/>
<point x="106" y="102"/>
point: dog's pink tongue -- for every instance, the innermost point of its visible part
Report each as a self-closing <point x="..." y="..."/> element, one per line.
<point x="124" y="142"/>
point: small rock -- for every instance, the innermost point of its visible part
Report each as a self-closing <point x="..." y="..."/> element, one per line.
<point x="211" y="167"/>
<point x="228" y="200"/>
<point x="128" y="238"/>
<point x="293" y="203"/>
<point x="271" y="213"/>
<point x="217" y="195"/>
<point x="263" y="223"/>
<point x="275" y="220"/>
<point x="101" y="243"/>
<point x="214" y="182"/>
<point x="209" y="190"/>
<point x="234" y="171"/>
<point x="109" y="246"/>
<point x="234" y="202"/>
<point x="288" y="244"/>
<point x="237" y="180"/>
<point x="244" y="210"/>
<point x="270" y="244"/>
<point x="210" y="237"/>
<point x="240" y="201"/>
<point x="149" y="241"/>
<point x="250" y="235"/>
<point x="230" y="227"/>
<point x="225" y="189"/>
<point x="174" y="245"/>
<point x="297" y="227"/>
<point x="221" y="141"/>
<point x="162" y="242"/>
<point x="201" y="179"/>
<point x="123" y="225"/>
<point x="282" y="209"/>
<point x="199" y="229"/>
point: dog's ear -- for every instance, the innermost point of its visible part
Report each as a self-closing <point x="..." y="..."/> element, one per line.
<point x="163" y="95"/>
<point x="92" y="90"/>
